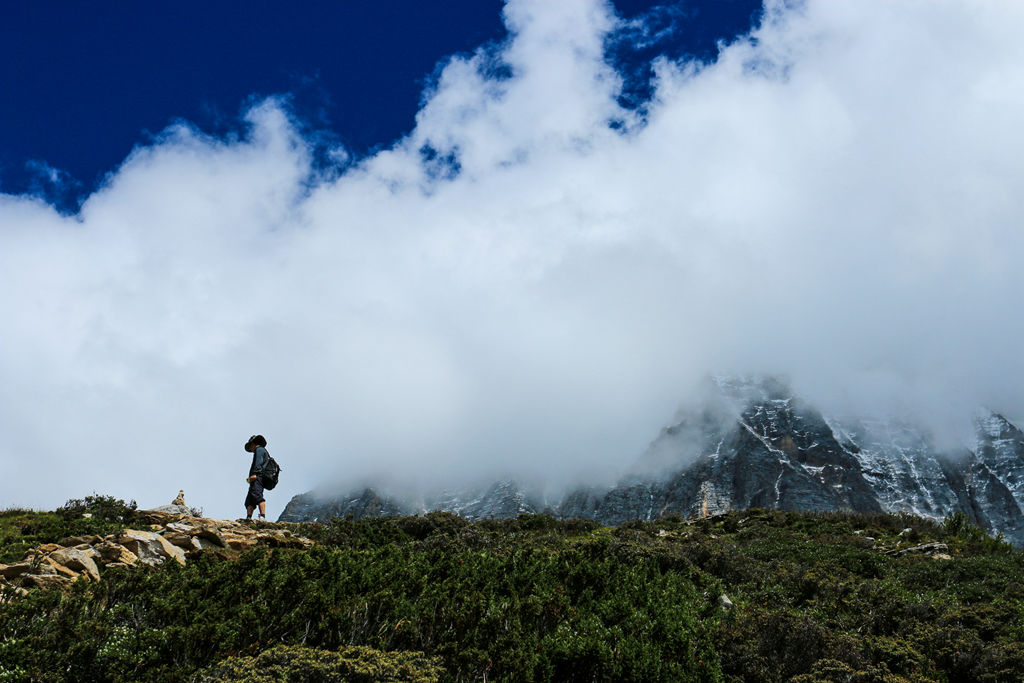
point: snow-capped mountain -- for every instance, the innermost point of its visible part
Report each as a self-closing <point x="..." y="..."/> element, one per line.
<point x="753" y="443"/>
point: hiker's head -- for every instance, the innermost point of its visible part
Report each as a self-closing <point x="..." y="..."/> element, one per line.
<point x="254" y="441"/>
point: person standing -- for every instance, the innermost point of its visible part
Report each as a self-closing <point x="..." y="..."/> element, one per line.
<point x="257" y="445"/>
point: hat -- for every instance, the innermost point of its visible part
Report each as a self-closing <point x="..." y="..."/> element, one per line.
<point x="255" y="440"/>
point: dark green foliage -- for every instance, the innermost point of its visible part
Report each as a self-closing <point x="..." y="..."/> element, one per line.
<point x="104" y="508"/>
<point x="441" y="523"/>
<point x="522" y="600"/>
<point x="959" y="526"/>
<point x="95" y="515"/>
<point x="350" y="664"/>
<point x="537" y="599"/>
<point x="817" y="601"/>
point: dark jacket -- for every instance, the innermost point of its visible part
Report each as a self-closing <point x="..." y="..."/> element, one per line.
<point x="259" y="460"/>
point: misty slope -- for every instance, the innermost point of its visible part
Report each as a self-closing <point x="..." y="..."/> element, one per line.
<point x="753" y="443"/>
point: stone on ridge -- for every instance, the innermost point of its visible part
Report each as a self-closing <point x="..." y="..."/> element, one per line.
<point x="76" y="560"/>
<point x="49" y="567"/>
<point x="152" y="548"/>
<point x="13" y="571"/>
<point x="111" y="553"/>
<point x="45" y="580"/>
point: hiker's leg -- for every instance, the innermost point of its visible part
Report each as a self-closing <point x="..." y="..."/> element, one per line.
<point x="263" y="508"/>
<point x="248" y="511"/>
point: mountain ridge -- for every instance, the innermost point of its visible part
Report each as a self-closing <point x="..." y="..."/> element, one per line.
<point x="752" y="442"/>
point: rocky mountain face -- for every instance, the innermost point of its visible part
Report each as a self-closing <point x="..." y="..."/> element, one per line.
<point x="498" y="500"/>
<point x="753" y="443"/>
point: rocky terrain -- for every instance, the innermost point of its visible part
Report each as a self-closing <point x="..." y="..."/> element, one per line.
<point x="753" y="443"/>
<point x="171" y="533"/>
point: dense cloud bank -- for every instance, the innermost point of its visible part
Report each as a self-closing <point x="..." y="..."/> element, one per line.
<point x="535" y="277"/>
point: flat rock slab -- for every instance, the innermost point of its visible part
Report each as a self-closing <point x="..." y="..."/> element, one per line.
<point x="77" y="560"/>
<point x="172" y="509"/>
<point x="934" y="549"/>
<point x="114" y="553"/>
<point x="13" y="571"/>
<point x="80" y="540"/>
<point x="46" y="581"/>
<point x="151" y="547"/>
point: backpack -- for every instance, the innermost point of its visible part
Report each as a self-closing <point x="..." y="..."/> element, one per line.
<point x="271" y="471"/>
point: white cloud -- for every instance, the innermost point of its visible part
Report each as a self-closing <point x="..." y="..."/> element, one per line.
<point x="836" y="198"/>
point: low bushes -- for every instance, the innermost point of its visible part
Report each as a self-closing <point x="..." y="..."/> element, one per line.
<point x="813" y="598"/>
<point x="94" y="515"/>
<point x="350" y="664"/>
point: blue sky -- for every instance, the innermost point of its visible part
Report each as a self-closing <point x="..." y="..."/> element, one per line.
<point x="489" y="240"/>
<point x="84" y="83"/>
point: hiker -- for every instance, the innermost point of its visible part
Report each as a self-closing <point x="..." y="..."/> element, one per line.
<point x="256" y="445"/>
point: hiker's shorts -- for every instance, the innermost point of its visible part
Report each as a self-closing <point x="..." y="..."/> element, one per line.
<point x="255" y="495"/>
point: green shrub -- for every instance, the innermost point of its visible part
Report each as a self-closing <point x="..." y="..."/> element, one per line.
<point x="23" y="529"/>
<point x="350" y="664"/>
<point x="435" y="522"/>
<point x="103" y="508"/>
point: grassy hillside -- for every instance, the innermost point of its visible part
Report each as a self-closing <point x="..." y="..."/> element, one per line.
<point x="814" y="598"/>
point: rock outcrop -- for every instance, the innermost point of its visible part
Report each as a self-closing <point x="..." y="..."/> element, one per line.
<point x="170" y="536"/>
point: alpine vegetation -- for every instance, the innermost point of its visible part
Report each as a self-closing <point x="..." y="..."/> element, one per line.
<point x="742" y="596"/>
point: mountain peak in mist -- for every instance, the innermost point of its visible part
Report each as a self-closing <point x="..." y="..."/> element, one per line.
<point x="751" y="442"/>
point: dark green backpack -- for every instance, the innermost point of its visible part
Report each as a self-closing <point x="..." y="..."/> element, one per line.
<point x="271" y="471"/>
